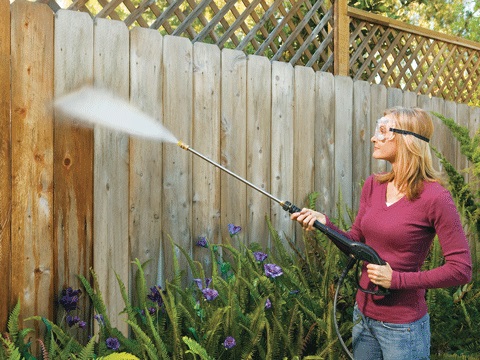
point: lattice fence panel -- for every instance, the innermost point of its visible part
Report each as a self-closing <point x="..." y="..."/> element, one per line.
<point x="299" y="32"/>
<point x="395" y="58"/>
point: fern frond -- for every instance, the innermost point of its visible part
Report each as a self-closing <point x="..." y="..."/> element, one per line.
<point x="88" y="352"/>
<point x="119" y="356"/>
<point x="12" y="324"/>
<point x="131" y="314"/>
<point x="12" y="352"/>
<point x="196" y="348"/>
<point x="159" y="343"/>
<point x="144" y="340"/>
<point x="141" y="284"/>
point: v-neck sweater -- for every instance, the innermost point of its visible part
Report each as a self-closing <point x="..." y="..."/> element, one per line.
<point x="402" y="235"/>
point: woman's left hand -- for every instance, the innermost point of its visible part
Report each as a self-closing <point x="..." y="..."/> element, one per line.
<point x="380" y="275"/>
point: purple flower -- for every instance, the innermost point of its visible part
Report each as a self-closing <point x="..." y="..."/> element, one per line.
<point x="233" y="229"/>
<point x="72" y="320"/>
<point x="155" y="295"/>
<point x="199" y="282"/>
<point x="209" y="294"/>
<point x="268" y="304"/>
<point x="272" y="270"/>
<point x="99" y="318"/>
<point x="229" y="342"/>
<point x="69" y="299"/>
<point x="260" y="256"/>
<point x="112" y="343"/>
<point x="202" y="242"/>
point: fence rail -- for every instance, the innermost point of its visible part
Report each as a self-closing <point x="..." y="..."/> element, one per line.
<point x="326" y="35"/>
<point x="75" y="198"/>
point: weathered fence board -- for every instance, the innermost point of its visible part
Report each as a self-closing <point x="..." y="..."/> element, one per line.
<point x="5" y="163"/>
<point x="282" y="143"/>
<point x="177" y="175"/>
<point x="304" y="139"/>
<point x="233" y="137"/>
<point x="259" y="97"/>
<point x="73" y="158"/>
<point x="111" y="69"/>
<point x="377" y="106"/>
<point x="145" y="204"/>
<point x="206" y="139"/>
<point x="343" y="138"/>
<point x="32" y="157"/>
<point x="362" y="125"/>
<point x="325" y="141"/>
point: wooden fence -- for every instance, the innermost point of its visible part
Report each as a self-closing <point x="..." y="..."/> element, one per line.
<point x="75" y="198"/>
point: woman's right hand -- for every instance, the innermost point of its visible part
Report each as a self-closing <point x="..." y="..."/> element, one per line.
<point x="306" y="218"/>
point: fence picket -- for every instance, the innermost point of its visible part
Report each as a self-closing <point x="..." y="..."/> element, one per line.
<point x="377" y="106"/>
<point x="206" y="139"/>
<point x="233" y="137"/>
<point x="343" y="138"/>
<point x="304" y="139"/>
<point x="325" y="141"/>
<point x="282" y="143"/>
<point x="5" y="162"/>
<point x="145" y="204"/>
<point x="177" y="175"/>
<point x="73" y="158"/>
<point x="361" y="139"/>
<point x="259" y="97"/>
<point x="32" y="158"/>
<point x="111" y="69"/>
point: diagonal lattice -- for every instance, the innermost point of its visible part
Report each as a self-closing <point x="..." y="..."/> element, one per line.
<point x="396" y="58"/>
<point x="299" y="32"/>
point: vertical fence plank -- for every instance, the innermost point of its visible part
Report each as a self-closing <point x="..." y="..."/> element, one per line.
<point x="233" y="138"/>
<point x="282" y="164"/>
<point x="73" y="157"/>
<point x="394" y="97"/>
<point x="361" y="139"/>
<point x="409" y="99"/>
<point x="145" y="202"/>
<point x="442" y="138"/>
<point x="206" y="138"/>
<point x="111" y="70"/>
<point x="343" y="138"/>
<point x="259" y="97"/>
<point x="325" y="141"/>
<point x="177" y="175"/>
<point x="304" y="140"/>
<point x="463" y="115"/>
<point x="450" y="112"/>
<point x="32" y="157"/>
<point x="5" y="162"/>
<point x="378" y="106"/>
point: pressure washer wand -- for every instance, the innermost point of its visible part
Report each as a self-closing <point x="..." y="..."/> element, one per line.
<point x="354" y="249"/>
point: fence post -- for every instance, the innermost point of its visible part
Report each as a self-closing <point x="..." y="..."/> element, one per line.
<point x="341" y="34"/>
<point x="5" y="169"/>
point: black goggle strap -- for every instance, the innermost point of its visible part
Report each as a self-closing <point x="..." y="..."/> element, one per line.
<point x="406" y="132"/>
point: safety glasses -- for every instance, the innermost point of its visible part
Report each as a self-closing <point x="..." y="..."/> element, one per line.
<point x="383" y="131"/>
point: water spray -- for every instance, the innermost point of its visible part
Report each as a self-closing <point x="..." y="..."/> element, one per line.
<point x="95" y="107"/>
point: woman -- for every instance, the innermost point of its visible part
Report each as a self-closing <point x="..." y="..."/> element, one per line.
<point x="400" y="213"/>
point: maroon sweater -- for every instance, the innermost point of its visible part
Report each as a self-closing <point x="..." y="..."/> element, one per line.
<point x="402" y="234"/>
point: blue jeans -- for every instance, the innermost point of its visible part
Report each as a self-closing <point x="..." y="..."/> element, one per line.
<point x="378" y="340"/>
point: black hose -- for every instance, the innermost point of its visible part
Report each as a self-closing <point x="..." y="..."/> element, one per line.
<point x="350" y="264"/>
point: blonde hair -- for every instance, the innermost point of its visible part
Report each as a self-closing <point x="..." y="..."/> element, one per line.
<point x="413" y="163"/>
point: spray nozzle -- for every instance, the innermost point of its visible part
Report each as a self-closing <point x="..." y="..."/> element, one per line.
<point x="183" y="145"/>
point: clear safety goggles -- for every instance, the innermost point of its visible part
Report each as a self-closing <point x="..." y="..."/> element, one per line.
<point x="383" y="131"/>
